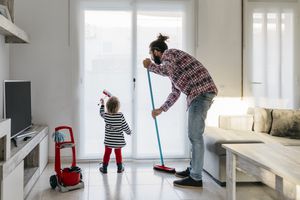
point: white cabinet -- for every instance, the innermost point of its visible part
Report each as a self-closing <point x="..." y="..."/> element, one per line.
<point x="43" y="160"/>
<point x="4" y="139"/>
<point x="13" y="184"/>
<point x="22" y="166"/>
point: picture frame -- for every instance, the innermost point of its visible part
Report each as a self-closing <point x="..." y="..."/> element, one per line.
<point x="5" y="12"/>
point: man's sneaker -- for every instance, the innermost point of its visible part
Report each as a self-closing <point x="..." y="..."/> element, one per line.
<point x="120" y="168"/>
<point x="183" y="174"/>
<point x="188" y="182"/>
<point x="103" y="168"/>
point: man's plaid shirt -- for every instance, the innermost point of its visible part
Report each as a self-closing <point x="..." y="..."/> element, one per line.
<point x="187" y="75"/>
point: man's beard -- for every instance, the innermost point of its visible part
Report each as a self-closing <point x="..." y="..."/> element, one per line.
<point x="156" y="59"/>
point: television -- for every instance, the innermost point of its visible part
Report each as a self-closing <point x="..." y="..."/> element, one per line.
<point x="17" y="105"/>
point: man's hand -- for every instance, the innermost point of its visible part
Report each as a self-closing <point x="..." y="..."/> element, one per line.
<point x="146" y="62"/>
<point x="156" y="112"/>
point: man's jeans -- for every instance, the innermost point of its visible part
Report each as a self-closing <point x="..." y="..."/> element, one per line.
<point x="196" y="123"/>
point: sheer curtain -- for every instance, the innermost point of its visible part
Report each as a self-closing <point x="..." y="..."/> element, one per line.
<point x="270" y="53"/>
<point x="114" y="39"/>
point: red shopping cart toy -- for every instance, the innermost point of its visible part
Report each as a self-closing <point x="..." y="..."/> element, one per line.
<point x="69" y="178"/>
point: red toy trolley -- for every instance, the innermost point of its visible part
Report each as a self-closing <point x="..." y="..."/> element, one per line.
<point x="68" y="178"/>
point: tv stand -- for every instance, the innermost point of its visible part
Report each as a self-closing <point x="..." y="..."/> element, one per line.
<point x="21" y="165"/>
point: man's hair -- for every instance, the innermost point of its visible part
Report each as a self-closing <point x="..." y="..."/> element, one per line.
<point x="113" y="105"/>
<point x="159" y="44"/>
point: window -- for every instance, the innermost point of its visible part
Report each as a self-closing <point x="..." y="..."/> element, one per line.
<point x="115" y="39"/>
<point x="270" y="53"/>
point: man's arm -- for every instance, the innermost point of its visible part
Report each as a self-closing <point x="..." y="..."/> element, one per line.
<point x="159" y="69"/>
<point x="164" y="68"/>
<point x="172" y="98"/>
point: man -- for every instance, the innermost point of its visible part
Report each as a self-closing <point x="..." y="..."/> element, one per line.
<point x="190" y="77"/>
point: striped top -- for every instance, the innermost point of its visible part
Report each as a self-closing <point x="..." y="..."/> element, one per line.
<point x="115" y="125"/>
<point x="187" y="75"/>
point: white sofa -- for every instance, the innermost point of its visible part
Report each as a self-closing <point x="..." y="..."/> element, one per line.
<point x="259" y="126"/>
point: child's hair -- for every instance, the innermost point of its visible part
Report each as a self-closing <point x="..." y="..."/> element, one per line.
<point x="113" y="105"/>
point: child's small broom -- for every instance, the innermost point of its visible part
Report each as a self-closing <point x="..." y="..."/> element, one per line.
<point x="161" y="167"/>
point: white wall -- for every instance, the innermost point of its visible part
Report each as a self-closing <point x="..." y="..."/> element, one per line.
<point x="219" y="43"/>
<point x="4" y="69"/>
<point x="45" y="61"/>
<point x="219" y="48"/>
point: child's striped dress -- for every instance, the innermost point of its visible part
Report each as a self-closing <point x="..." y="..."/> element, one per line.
<point x="115" y="124"/>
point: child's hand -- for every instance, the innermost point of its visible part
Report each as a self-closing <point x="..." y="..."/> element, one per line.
<point x="102" y="101"/>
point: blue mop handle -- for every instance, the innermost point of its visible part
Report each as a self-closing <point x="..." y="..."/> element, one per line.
<point x="156" y="126"/>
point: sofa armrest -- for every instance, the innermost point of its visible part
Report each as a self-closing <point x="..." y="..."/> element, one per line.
<point x="236" y="122"/>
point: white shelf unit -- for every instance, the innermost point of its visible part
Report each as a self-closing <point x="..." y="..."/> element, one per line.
<point x="26" y="163"/>
<point x="4" y="140"/>
<point x="13" y="34"/>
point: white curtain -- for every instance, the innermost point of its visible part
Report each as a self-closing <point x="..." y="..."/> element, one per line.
<point x="270" y="53"/>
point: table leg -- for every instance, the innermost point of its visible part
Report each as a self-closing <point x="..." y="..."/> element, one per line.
<point x="230" y="175"/>
<point x="279" y="187"/>
<point x="298" y="192"/>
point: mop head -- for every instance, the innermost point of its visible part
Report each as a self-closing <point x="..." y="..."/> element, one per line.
<point x="163" y="168"/>
<point x="58" y="136"/>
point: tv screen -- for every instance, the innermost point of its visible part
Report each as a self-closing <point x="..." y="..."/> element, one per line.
<point x="17" y="105"/>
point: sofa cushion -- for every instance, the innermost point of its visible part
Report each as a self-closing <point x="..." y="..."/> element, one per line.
<point x="286" y="123"/>
<point x="236" y="122"/>
<point x="215" y="137"/>
<point x="262" y="120"/>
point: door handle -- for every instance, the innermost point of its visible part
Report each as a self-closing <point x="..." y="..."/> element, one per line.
<point x="256" y="83"/>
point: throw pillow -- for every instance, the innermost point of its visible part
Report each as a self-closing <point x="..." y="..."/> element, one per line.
<point x="296" y="126"/>
<point x="286" y="123"/>
<point x="262" y="120"/>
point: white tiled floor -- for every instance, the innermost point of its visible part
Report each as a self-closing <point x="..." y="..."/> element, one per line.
<point x="140" y="182"/>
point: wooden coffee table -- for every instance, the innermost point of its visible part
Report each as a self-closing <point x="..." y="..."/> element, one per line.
<point x="275" y="165"/>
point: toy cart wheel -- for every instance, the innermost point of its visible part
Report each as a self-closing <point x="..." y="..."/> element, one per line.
<point x="53" y="181"/>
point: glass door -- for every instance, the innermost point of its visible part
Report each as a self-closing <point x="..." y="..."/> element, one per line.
<point x="115" y="38"/>
<point x="152" y="20"/>
<point x="107" y="65"/>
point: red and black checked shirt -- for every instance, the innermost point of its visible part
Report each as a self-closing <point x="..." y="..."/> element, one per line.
<point x="187" y="75"/>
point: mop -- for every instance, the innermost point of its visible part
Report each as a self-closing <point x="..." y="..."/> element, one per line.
<point x="161" y="167"/>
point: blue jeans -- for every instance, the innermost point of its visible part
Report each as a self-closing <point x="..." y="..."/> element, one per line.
<point x="196" y="123"/>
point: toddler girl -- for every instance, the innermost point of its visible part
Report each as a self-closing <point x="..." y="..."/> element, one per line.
<point x="115" y="124"/>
